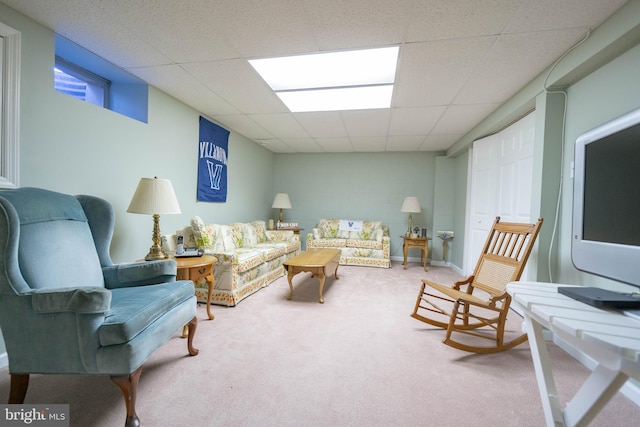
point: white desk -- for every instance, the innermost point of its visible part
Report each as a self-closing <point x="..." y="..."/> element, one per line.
<point x="610" y="338"/>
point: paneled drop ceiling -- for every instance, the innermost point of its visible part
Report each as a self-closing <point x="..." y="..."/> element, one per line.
<point x="459" y="59"/>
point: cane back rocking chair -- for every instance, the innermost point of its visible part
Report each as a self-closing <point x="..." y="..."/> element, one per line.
<point x="478" y="305"/>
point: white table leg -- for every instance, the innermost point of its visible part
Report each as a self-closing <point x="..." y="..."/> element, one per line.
<point x="546" y="383"/>
<point x="600" y="387"/>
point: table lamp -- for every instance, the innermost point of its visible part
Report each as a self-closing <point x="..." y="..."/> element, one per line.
<point x="154" y="196"/>
<point x="281" y="201"/>
<point x="411" y="205"/>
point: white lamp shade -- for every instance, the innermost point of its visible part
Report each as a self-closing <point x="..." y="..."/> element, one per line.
<point x="411" y="204"/>
<point x="281" y="201"/>
<point x="154" y="196"/>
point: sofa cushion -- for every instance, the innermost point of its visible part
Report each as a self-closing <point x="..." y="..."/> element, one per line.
<point x="134" y="309"/>
<point x="271" y="250"/>
<point x="205" y="235"/>
<point x="250" y="235"/>
<point x="371" y="230"/>
<point x="330" y="228"/>
<point x="261" y="230"/>
<point x="244" y="235"/>
<point x="226" y="241"/>
<point x="248" y="258"/>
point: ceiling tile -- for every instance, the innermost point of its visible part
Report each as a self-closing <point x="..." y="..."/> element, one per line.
<point x="284" y="125"/>
<point x="366" y="122"/>
<point x="432" y="73"/>
<point x="338" y="24"/>
<point x="325" y="124"/>
<point x="498" y="64"/>
<point x="369" y="144"/>
<point x="403" y="143"/>
<point x="157" y="23"/>
<point x="175" y="81"/>
<point x="276" y="146"/>
<point x="258" y="28"/>
<point x="540" y="15"/>
<point x="237" y="82"/>
<point x="414" y="121"/>
<point x="439" y="142"/>
<point x="244" y="126"/>
<point x="439" y="20"/>
<point x="303" y="145"/>
<point x="335" y="145"/>
<point x="462" y="118"/>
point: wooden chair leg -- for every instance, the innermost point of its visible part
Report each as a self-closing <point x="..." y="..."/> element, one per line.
<point x="128" y="384"/>
<point x="192" y="325"/>
<point x="19" y="385"/>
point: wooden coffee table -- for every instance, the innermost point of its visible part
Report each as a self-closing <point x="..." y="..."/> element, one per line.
<point x="318" y="262"/>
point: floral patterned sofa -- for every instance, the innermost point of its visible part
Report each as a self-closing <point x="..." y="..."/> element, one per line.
<point x="249" y="256"/>
<point x="370" y="245"/>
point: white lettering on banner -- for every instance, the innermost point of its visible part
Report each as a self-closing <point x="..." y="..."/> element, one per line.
<point x="209" y="150"/>
<point x="215" y="174"/>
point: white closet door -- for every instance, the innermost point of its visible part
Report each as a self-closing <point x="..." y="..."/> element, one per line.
<point x="501" y="183"/>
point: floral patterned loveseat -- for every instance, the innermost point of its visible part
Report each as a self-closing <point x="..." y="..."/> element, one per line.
<point x="249" y="256"/>
<point x="369" y="245"/>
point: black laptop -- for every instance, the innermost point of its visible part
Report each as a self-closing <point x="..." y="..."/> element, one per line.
<point x="599" y="297"/>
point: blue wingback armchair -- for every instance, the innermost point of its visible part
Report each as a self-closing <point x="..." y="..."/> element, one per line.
<point x="65" y="308"/>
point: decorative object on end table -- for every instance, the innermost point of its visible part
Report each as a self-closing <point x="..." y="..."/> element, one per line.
<point x="410" y="205"/>
<point x="155" y="197"/>
<point x="445" y="236"/>
<point x="281" y="201"/>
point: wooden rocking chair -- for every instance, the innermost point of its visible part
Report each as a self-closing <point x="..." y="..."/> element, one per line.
<point x="479" y="305"/>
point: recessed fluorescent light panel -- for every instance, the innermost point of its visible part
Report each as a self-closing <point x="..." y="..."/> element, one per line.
<point x="361" y="79"/>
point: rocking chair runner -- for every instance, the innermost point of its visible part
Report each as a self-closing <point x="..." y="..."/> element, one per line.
<point x="479" y="305"/>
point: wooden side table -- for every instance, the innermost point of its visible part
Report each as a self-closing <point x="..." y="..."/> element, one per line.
<point x="421" y="243"/>
<point x="196" y="268"/>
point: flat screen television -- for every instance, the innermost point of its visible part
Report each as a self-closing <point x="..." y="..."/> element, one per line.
<point x="606" y="200"/>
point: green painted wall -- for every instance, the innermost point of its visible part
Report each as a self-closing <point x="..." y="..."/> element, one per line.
<point x="360" y="186"/>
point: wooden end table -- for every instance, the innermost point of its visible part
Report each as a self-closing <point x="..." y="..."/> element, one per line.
<point x="196" y="268"/>
<point x="421" y="243"/>
<point x="318" y="262"/>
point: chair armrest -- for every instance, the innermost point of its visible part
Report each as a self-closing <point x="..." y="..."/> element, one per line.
<point x="89" y="300"/>
<point x="140" y="273"/>
<point x="464" y="282"/>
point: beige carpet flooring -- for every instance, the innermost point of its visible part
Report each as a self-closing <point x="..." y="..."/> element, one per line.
<point x="359" y="359"/>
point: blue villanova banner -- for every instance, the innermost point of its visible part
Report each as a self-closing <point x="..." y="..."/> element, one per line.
<point x="212" y="162"/>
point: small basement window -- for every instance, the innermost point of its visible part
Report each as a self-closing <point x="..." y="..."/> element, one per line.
<point x="82" y="84"/>
<point x="86" y="76"/>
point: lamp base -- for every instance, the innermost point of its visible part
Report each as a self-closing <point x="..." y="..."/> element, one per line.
<point x="155" y="253"/>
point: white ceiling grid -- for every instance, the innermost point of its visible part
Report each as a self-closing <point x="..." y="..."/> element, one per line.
<point x="459" y="59"/>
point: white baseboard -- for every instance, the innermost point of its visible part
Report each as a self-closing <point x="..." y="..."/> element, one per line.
<point x="4" y="360"/>
<point x="430" y="262"/>
<point x="409" y="259"/>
